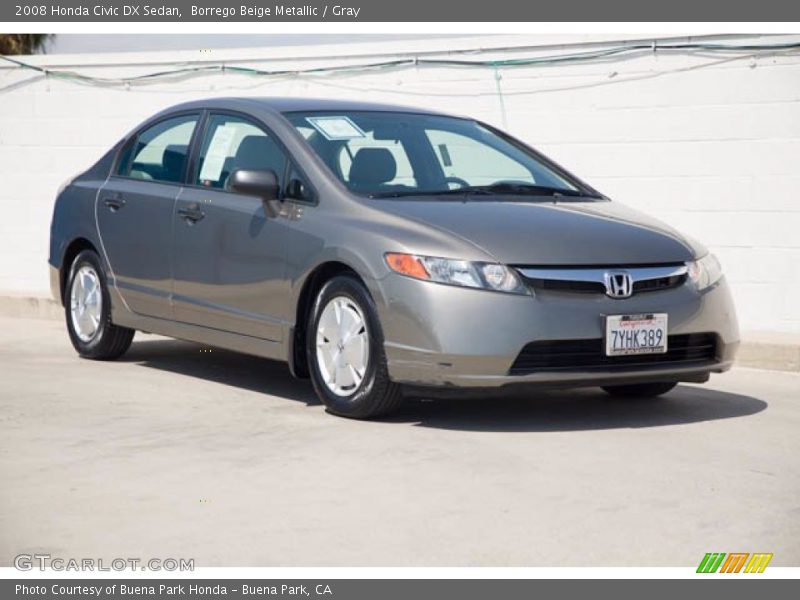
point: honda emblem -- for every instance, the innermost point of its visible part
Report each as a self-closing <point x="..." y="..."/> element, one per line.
<point x="619" y="284"/>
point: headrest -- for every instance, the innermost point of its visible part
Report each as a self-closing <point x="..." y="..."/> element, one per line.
<point x="259" y="152"/>
<point x="172" y="161"/>
<point x="372" y="166"/>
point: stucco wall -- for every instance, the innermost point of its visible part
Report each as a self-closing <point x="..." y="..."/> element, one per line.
<point x="708" y="144"/>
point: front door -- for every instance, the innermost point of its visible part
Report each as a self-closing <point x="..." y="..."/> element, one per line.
<point x="135" y="214"/>
<point x="229" y="254"/>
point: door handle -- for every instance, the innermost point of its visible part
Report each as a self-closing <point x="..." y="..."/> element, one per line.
<point x="114" y="203"/>
<point x="191" y="213"/>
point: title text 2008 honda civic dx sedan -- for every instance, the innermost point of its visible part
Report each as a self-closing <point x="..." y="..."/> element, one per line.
<point x="374" y="247"/>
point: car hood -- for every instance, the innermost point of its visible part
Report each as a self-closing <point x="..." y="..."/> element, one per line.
<point x="552" y="233"/>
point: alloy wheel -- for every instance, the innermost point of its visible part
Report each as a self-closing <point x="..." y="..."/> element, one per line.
<point x="86" y="303"/>
<point x="342" y="346"/>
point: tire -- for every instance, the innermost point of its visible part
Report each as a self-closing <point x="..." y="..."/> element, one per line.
<point x="91" y="331"/>
<point x="358" y="351"/>
<point x="644" y="390"/>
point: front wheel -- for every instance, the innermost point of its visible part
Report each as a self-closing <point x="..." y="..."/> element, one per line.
<point x="643" y="390"/>
<point x="88" y="311"/>
<point x="345" y="352"/>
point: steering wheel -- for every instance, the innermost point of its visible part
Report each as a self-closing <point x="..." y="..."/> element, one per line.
<point x="457" y="181"/>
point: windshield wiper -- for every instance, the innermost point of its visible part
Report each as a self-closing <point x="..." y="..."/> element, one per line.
<point x="527" y="189"/>
<point x="466" y="191"/>
<point x="532" y="189"/>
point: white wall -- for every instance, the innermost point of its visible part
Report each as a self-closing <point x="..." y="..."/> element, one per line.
<point x="711" y="146"/>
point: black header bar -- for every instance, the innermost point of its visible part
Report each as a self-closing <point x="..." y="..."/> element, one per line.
<point x="440" y="11"/>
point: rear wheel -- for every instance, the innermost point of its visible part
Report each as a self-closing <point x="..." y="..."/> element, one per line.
<point x="644" y="390"/>
<point x="87" y="309"/>
<point x="345" y="352"/>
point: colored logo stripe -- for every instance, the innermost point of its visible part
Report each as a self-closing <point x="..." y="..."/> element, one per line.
<point x="711" y="562"/>
<point x="735" y="561"/>
<point x="758" y="562"/>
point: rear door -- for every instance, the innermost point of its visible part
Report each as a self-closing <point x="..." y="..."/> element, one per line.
<point x="229" y="254"/>
<point x="135" y="213"/>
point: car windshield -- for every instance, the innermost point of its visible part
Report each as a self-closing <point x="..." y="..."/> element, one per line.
<point x="393" y="154"/>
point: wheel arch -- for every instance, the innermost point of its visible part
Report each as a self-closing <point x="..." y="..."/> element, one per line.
<point x="313" y="282"/>
<point x="75" y="247"/>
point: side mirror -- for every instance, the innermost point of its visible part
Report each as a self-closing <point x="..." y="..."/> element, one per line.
<point x="255" y="182"/>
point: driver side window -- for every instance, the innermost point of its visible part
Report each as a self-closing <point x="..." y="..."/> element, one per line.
<point x="232" y="143"/>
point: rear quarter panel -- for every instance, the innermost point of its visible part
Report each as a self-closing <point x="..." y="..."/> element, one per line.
<point x="74" y="217"/>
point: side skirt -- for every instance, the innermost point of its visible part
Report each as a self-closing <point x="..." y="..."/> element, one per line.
<point x="203" y="335"/>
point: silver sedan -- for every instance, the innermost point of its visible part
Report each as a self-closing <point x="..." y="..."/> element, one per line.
<point x="380" y="249"/>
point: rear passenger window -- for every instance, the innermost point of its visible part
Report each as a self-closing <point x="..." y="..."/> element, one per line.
<point x="160" y="152"/>
<point x="232" y="143"/>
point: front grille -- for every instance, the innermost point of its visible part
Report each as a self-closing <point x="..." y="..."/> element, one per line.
<point x="561" y="285"/>
<point x="593" y="279"/>
<point x="596" y="287"/>
<point x="583" y="355"/>
<point x="654" y="285"/>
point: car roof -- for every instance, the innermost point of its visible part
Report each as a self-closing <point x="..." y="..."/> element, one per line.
<point x="286" y="105"/>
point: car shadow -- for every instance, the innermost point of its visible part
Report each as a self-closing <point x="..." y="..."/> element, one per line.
<point x="520" y="410"/>
<point x="577" y="410"/>
<point x="243" y="371"/>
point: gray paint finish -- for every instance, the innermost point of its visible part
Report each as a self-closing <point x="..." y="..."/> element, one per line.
<point x="234" y="279"/>
<point x="566" y="233"/>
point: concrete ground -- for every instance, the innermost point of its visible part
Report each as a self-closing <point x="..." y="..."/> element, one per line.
<point x="178" y="451"/>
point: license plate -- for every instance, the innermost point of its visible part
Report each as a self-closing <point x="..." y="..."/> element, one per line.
<point x="636" y="334"/>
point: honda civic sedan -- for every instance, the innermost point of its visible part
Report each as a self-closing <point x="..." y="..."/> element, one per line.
<point x="378" y="249"/>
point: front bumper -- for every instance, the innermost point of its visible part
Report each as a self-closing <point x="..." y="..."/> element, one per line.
<point x="439" y="335"/>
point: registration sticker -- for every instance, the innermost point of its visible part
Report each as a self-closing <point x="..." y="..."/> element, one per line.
<point x="336" y="128"/>
<point x="636" y="334"/>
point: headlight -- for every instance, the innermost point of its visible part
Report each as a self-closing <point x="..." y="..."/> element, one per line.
<point x="705" y="272"/>
<point x="464" y="273"/>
